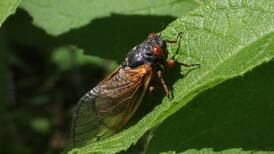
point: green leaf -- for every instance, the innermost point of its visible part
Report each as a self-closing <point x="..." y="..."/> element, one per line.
<point x="67" y="57"/>
<point x="236" y="113"/>
<point x="227" y="37"/>
<point x="7" y="7"/>
<point x="57" y="17"/>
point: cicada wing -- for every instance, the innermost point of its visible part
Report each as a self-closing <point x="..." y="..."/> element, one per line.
<point x="86" y="125"/>
<point x="98" y="115"/>
<point x="115" y="116"/>
<point x="91" y="122"/>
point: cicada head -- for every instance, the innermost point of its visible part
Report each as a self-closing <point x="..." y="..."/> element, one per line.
<point x="152" y="51"/>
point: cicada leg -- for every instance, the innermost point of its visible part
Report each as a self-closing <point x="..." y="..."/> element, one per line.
<point x="179" y="35"/>
<point x="171" y="62"/>
<point x="160" y="76"/>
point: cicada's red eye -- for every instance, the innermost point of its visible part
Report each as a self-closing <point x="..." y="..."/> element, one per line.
<point x="157" y="50"/>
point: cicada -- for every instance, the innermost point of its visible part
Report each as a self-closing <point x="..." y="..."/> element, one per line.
<point x="106" y="108"/>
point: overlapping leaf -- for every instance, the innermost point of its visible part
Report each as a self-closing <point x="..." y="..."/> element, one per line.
<point x="57" y="17"/>
<point x="7" y="7"/>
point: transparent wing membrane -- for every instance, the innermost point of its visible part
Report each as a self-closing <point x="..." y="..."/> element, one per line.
<point x="107" y="107"/>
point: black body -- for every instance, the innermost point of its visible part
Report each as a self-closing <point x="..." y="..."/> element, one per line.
<point x="142" y="53"/>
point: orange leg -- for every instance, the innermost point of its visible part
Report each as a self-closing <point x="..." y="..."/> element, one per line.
<point x="160" y="76"/>
<point x="170" y="64"/>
